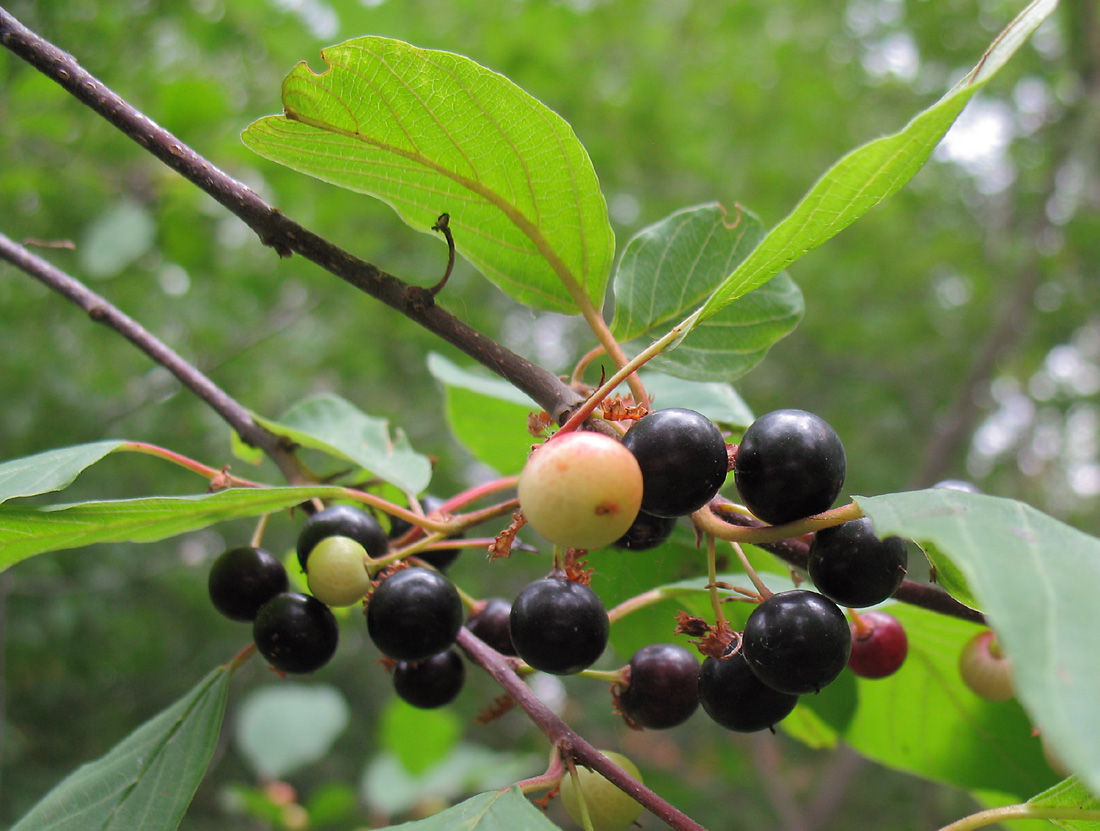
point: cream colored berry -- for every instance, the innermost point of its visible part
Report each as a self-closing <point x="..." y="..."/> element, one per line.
<point x="581" y="490"/>
<point x="338" y="571"/>
<point x="609" y="808"/>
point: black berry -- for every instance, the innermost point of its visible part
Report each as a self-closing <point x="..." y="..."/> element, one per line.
<point x="879" y="645"/>
<point x="295" y="632"/>
<point x="431" y="683"/>
<point x="648" y="531"/>
<point x="414" y="614"/>
<point x="683" y="459"/>
<point x="558" y="626"/>
<point x="342" y="521"/>
<point x="853" y="567"/>
<point x="244" y="579"/>
<point x="790" y="464"/>
<point x="733" y="696"/>
<point x="797" y="641"/>
<point x="663" y="686"/>
<point x="490" y="624"/>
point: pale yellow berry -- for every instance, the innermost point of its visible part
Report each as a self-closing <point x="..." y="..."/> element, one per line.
<point x="338" y="571"/>
<point x="609" y="808"/>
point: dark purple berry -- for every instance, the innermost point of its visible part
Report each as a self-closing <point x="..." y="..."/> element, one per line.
<point x="342" y="521"/>
<point x="648" y="531"/>
<point x="430" y="683"/>
<point x="879" y="645"/>
<point x="683" y="459"/>
<point x="490" y="624"/>
<point x="733" y="696"/>
<point x="663" y="686"/>
<point x="558" y="626"/>
<point x="295" y="632"/>
<point x="244" y="579"/>
<point x="789" y="465"/>
<point x="414" y="613"/>
<point x="853" y="567"/>
<point x="797" y="641"/>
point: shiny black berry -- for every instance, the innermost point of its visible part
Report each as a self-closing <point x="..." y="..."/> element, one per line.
<point x="414" y="614"/>
<point x="663" y="686"/>
<point x="853" y="567"/>
<point x="430" y="683"/>
<point x="439" y="558"/>
<point x="558" y="626"/>
<point x="648" y="531"/>
<point x="683" y="459"/>
<point x="295" y="632"/>
<point x="797" y="641"/>
<point x="790" y="464"/>
<point x="879" y="645"/>
<point x="244" y="579"/>
<point x="342" y="521"/>
<point x="733" y="696"/>
<point x="490" y="624"/>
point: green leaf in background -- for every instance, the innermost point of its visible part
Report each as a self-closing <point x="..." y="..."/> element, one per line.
<point x="51" y="471"/>
<point x="486" y="414"/>
<point x="116" y="239"/>
<point x="282" y="728"/>
<point x="1035" y="578"/>
<point x="493" y="811"/>
<point x="717" y="400"/>
<point x="337" y="427"/>
<point x="925" y="721"/>
<point x="868" y="175"/>
<point x="147" y="781"/>
<point x="437" y="732"/>
<point x="432" y="132"/>
<point x="671" y="267"/>
<point x="26" y="531"/>
<point x="1069" y="794"/>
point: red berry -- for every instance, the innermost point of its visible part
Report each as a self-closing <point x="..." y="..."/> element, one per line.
<point x="879" y="645"/>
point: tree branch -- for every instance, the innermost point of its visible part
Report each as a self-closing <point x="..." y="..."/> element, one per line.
<point x="102" y="311"/>
<point x="277" y="230"/>
<point x="564" y="737"/>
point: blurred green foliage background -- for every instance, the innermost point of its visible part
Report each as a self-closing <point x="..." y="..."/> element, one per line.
<point x="952" y="332"/>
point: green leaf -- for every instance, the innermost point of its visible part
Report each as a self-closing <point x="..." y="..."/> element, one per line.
<point x="148" y="780"/>
<point x="486" y="414"/>
<point x="418" y="738"/>
<point x="672" y="266"/>
<point x="432" y="132"/>
<point x="1069" y="793"/>
<point x="923" y="719"/>
<point x="717" y="400"/>
<point x="51" y="471"/>
<point x="26" y="531"/>
<point x="868" y="175"/>
<point x="485" y="812"/>
<point x="282" y="728"/>
<point x="1035" y="578"/>
<point x="337" y="427"/>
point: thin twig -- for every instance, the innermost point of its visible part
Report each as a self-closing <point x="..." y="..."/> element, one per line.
<point x="563" y="736"/>
<point x="102" y="311"/>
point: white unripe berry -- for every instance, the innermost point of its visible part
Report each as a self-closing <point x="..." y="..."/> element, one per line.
<point x="581" y="490"/>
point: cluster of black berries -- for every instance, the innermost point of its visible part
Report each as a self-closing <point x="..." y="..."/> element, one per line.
<point x="413" y="615"/>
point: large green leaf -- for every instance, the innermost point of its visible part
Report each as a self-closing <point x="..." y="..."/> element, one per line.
<point x="486" y="414"/>
<point x="868" y="175"/>
<point x="672" y="266"/>
<point x="50" y="471"/>
<point x="491" y="811"/>
<point x="147" y="781"/>
<point x="1035" y="578"/>
<point x="337" y="427"/>
<point x="433" y="132"/>
<point x="26" y="531"/>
